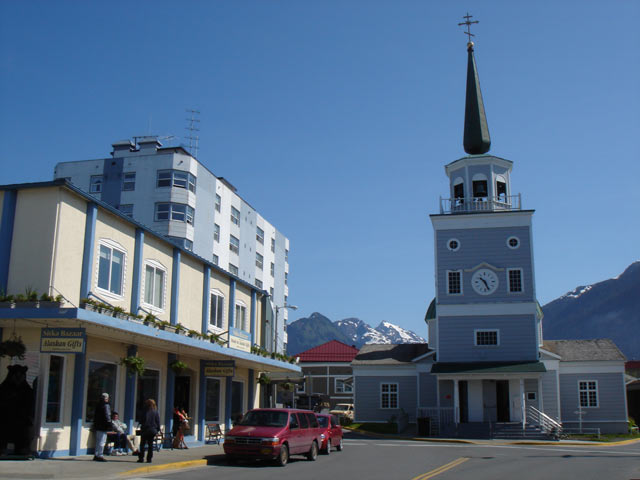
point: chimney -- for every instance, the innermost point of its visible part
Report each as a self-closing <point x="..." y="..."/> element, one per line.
<point x="121" y="147"/>
<point x="148" y="144"/>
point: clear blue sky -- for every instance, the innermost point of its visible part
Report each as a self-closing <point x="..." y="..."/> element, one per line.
<point x="335" y="118"/>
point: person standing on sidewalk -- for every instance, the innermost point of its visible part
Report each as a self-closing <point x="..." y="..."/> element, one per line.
<point x="101" y="425"/>
<point x="149" y="428"/>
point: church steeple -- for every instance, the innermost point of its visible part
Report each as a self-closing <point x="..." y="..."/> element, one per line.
<point x="476" y="131"/>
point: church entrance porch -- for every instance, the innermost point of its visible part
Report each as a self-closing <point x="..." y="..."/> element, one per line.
<point x="481" y="395"/>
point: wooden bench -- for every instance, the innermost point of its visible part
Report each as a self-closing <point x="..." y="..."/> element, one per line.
<point x="213" y="433"/>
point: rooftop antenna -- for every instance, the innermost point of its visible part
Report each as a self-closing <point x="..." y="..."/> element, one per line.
<point x="193" y="139"/>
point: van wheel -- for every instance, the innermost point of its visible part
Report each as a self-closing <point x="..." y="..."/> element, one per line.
<point x="339" y="446"/>
<point x="328" y="449"/>
<point x="283" y="458"/>
<point x="313" y="452"/>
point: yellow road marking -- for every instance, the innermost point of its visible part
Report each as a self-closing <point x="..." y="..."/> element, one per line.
<point x="439" y="470"/>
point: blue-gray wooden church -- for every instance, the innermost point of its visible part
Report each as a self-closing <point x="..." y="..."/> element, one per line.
<point x="487" y="369"/>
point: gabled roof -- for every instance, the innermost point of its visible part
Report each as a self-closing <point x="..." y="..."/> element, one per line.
<point x="332" y="351"/>
<point x="389" y="354"/>
<point x="584" y="350"/>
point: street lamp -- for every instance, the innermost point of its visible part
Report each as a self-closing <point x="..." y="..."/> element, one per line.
<point x="275" y="337"/>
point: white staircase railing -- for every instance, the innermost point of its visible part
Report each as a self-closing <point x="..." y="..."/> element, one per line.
<point x="544" y="421"/>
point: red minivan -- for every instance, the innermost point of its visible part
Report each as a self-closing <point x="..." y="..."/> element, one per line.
<point x="274" y="433"/>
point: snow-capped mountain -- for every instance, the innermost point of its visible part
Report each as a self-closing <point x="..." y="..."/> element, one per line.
<point x="607" y="309"/>
<point x="317" y="329"/>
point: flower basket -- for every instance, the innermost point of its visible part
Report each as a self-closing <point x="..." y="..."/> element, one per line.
<point x="178" y="366"/>
<point x="263" y="379"/>
<point x="13" y="348"/>
<point x="134" y="364"/>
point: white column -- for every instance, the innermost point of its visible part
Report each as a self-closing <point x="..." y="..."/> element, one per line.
<point x="456" y="402"/>
<point x="522" y="404"/>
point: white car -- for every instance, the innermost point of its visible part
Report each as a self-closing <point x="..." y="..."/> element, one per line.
<point x="344" y="410"/>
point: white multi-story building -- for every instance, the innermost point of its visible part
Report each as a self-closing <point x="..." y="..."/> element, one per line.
<point x="172" y="193"/>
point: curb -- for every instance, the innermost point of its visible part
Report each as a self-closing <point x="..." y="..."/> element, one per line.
<point x="165" y="466"/>
<point x="480" y="442"/>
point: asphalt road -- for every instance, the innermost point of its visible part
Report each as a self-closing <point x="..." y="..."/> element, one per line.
<point x="382" y="459"/>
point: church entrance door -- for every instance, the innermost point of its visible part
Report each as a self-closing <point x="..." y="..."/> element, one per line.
<point x="502" y="400"/>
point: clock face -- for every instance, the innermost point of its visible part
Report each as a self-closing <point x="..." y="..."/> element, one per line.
<point x="484" y="281"/>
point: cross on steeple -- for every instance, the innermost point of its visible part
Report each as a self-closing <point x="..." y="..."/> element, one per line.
<point x="468" y="23"/>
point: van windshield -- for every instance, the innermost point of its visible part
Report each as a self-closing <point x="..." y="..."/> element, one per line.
<point x="265" y="419"/>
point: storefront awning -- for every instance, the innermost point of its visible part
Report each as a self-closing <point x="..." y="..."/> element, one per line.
<point x="488" y="367"/>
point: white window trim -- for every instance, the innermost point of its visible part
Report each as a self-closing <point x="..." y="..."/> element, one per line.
<point x="521" y="281"/>
<point x="112" y="244"/>
<point x="461" y="286"/>
<point x="300" y="388"/>
<point x="597" y="393"/>
<point x="453" y="249"/>
<point x="213" y="328"/>
<point x="396" y="393"/>
<point x="240" y="303"/>
<point x="479" y="330"/>
<point x="535" y="396"/>
<point x="335" y="384"/>
<point x="63" y="381"/>
<point x="155" y="264"/>
<point x="517" y="246"/>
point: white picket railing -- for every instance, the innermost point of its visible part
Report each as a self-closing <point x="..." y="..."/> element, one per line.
<point x="544" y="421"/>
<point x="480" y="204"/>
<point x="439" y="417"/>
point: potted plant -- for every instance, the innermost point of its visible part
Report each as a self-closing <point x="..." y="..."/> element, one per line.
<point x="13" y="348"/>
<point x="180" y="329"/>
<point x="7" y="301"/>
<point x="47" y="301"/>
<point x="27" y="300"/>
<point x="287" y="387"/>
<point x="166" y="326"/>
<point x="178" y="366"/>
<point x="134" y="364"/>
<point x="119" y="312"/>
<point x="150" y="320"/>
<point x="194" y="333"/>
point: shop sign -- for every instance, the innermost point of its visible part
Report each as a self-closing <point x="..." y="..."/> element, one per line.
<point x="62" y="340"/>
<point x="219" y="368"/>
<point x="239" y="339"/>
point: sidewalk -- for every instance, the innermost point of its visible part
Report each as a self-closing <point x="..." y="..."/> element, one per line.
<point x="115" y="467"/>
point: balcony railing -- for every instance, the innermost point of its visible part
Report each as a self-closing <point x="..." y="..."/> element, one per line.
<point x="480" y="204"/>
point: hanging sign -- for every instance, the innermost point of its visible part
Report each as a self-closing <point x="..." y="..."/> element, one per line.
<point x="63" y="340"/>
<point x="219" y="368"/>
<point x="239" y="339"/>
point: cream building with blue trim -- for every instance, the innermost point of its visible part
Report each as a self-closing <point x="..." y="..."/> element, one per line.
<point x="57" y="239"/>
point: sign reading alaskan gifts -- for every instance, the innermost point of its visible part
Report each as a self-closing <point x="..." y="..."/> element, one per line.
<point x="239" y="339"/>
<point x="219" y="368"/>
<point x="62" y="340"/>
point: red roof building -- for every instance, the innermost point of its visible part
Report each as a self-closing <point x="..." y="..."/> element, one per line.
<point x="327" y="371"/>
<point x="333" y="351"/>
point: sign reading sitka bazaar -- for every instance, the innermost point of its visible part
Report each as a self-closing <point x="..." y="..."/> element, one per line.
<point x="62" y="340"/>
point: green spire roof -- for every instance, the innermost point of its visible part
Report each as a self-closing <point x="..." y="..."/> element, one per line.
<point x="476" y="131"/>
